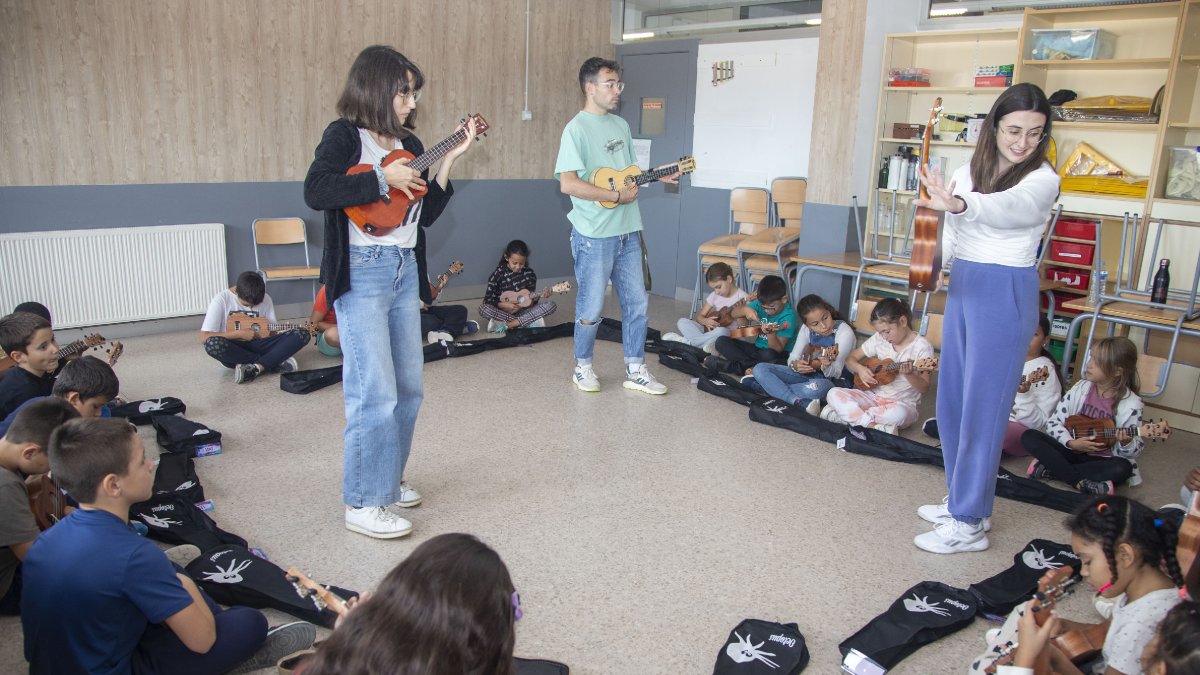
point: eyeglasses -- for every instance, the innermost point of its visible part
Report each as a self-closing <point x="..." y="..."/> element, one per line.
<point x="1032" y="136"/>
<point x="619" y="86"/>
<point x="413" y="96"/>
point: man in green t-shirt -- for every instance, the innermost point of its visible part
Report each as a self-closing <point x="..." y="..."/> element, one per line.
<point x="605" y="242"/>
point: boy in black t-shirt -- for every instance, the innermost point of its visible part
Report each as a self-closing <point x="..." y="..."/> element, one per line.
<point x="28" y="340"/>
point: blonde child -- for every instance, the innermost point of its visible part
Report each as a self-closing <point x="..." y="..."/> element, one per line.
<point x="1108" y="391"/>
<point x="513" y="274"/>
<point x="889" y="407"/>
<point x="703" y="330"/>
<point x="798" y="382"/>
<point x="1034" y="402"/>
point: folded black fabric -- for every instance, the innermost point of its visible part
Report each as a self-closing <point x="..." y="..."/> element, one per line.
<point x="176" y="474"/>
<point x="757" y="647"/>
<point x="141" y="412"/>
<point x="172" y="519"/>
<point x="924" y="613"/>
<point x="179" y="434"/>
<point x="308" y="381"/>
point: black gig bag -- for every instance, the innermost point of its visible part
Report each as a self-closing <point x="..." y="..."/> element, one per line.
<point x="539" y="667"/>
<point x="232" y="575"/>
<point x="172" y="519"/>
<point x="176" y="474"/>
<point x="728" y="387"/>
<point x="684" y="358"/>
<point x="926" y="612"/>
<point x="776" y="413"/>
<point x="1021" y="489"/>
<point x="308" y="381"/>
<point x="141" y="412"/>
<point x="1000" y="594"/>
<point x="179" y="434"/>
<point x="758" y="647"/>
<point x="875" y="443"/>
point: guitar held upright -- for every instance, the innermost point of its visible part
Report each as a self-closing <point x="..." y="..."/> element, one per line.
<point x="925" y="267"/>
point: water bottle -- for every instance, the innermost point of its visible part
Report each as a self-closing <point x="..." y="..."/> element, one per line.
<point x="1162" y="282"/>
<point x="1094" y="288"/>
<point x="1102" y="278"/>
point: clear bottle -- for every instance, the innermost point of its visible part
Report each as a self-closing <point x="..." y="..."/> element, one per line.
<point x="1162" y="282"/>
<point x="1102" y="280"/>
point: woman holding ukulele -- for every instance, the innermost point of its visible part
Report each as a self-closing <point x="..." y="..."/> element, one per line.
<point x="373" y="280"/>
<point x="997" y="208"/>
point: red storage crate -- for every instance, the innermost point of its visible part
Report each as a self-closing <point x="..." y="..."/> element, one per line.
<point x="1076" y="229"/>
<point x="1072" y="253"/>
<point x="1077" y="279"/>
<point x="1060" y="299"/>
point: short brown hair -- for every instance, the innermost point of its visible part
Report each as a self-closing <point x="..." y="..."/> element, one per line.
<point x="377" y="75"/>
<point x="83" y="451"/>
<point x="591" y="68"/>
<point x="35" y="422"/>
<point x="17" y="329"/>
<point x="718" y="271"/>
<point x="89" y="377"/>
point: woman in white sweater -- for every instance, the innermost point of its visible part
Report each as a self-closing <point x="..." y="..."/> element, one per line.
<point x="997" y="208"/>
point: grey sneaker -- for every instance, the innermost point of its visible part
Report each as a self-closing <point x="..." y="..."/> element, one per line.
<point x="281" y="641"/>
<point x="244" y="372"/>
<point x="641" y="380"/>
<point x="813" y="408"/>
<point x="1095" y="487"/>
<point x="585" y="378"/>
<point x="289" y="366"/>
<point x="1038" y="471"/>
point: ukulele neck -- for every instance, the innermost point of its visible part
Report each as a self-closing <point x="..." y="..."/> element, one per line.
<point x="656" y="174"/>
<point x="438" y="151"/>
<point x="73" y="348"/>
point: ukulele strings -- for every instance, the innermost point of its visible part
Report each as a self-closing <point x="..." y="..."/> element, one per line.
<point x="435" y="153"/>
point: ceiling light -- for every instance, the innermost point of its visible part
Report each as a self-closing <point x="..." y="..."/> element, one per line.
<point x="638" y="36"/>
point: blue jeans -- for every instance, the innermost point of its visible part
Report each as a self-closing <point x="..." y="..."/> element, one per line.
<point x="789" y="386"/>
<point x="597" y="261"/>
<point x="379" y="325"/>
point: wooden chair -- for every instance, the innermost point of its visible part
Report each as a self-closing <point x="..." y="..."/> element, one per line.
<point x="283" y="232"/>
<point x="771" y="250"/>
<point x="749" y="213"/>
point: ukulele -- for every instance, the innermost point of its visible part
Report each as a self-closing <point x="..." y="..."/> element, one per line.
<point x="321" y="597"/>
<point x="87" y="342"/>
<point x="1104" y="431"/>
<point x="1054" y="585"/>
<point x="885" y="370"/>
<point x="455" y="268"/>
<point x="724" y="316"/>
<point x="813" y="354"/>
<point x="1189" y="544"/>
<point x="46" y="500"/>
<point x="1035" y="378"/>
<point x="614" y="180"/>
<point x="525" y="297"/>
<point x="387" y="213"/>
<point x="756" y="329"/>
<point x="925" y="266"/>
<point x="261" y="326"/>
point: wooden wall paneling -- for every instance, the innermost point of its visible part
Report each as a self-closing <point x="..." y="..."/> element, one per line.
<point x="126" y="91"/>
<point x="835" y="117"/>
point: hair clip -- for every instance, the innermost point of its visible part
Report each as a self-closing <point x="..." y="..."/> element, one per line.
<point x="1158" y="522"/>
<point x="1101" y="507"/>
<point x="1103" y="588"/>
<point x="516" y="602"/>
<point x="1183" y="594"/>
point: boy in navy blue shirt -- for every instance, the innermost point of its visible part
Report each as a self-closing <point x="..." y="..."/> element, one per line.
<point x="28" y="340"/>
<point x="98" y="598"/>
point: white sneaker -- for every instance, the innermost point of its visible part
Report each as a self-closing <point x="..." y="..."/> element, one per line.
<point x="711" y="348"/>
<point x="674" y="337"/>
<point x="641" y="380"/>
<point x="585" y="378"/>
<point x="496" y="327"/>
<point x="1135" y="478"/>
<point x="435" y="336"/>
<point x="886" y="428"/>
<point x="813" y="408"/>
<point x="289" y="366"/>
<point x="830" y="415"/>
<point x="953" y="536"/>
<point x="377" y="522"/>
<point x="540" y="323"/>
<point x="408" y="496"/>
<point x="940" y="513"/>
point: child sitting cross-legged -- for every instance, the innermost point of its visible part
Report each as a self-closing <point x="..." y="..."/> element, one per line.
<point x="703" y="329"/>
<point x="778" y="331"/>
<point x="247" y="352"/>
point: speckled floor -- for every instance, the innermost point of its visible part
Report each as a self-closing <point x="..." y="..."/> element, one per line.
<point x="639" y="529"/>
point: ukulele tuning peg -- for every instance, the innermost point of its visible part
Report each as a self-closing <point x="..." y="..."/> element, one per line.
<point x="292" y="578"/>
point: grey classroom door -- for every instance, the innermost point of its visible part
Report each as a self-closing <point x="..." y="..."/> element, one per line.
<point x="655" y="105"/>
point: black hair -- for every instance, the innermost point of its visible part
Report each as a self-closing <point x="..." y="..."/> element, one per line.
<point x="1177" y="647"/>
<point x="516" y="246"/>
<point x="35" y="422"/>
<point x="718" y="271"/>
<point x="592" y="67"/>
<point x="17" y="329"/>
<point x="251" y="287"/>
<point x="83" y="451"/>
<point x="771" y="288"/>
<point x="377" y="75"/>
<point x="1111" y="521"/>
<point x="89" y="377"/>
<point x="813" y="301"/>
<point x="986" y="175"/>
<point x="34" y="308"/>
<point x="891" y="310"/>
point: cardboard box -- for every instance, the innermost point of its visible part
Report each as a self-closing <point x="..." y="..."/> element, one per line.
<point x="908" y="131"/>
<point x="994" y="81"/>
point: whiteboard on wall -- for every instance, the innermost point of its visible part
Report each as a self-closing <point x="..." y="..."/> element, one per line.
<point x="755" y="126"/>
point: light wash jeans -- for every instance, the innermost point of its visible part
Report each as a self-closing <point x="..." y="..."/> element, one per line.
<point x="379" y="324"/>
<point x="694" y="333"/>
<point x="597" y="261"/>
<point x="791" y="387"/>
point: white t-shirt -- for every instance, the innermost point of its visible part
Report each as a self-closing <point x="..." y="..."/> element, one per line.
<point x="718" y="301"/>
<point x="1036" y="406"/>
<point x="843" y="337"/>
<point x="1002" y="228"/>
<point x="226" y="303"/>
<point x="405" y="236"/>
<point x="1132" y="627"/>
<point x="899" y="389"/>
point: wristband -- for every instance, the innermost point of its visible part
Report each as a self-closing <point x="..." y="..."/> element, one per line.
<point x="618" y="194"/>
<point x="383" y="184"/>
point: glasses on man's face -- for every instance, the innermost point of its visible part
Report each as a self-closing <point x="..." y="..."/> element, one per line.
<point x="1013" y="135"/>
<point x="615" y="86"/>
<point x="412" y="96"/>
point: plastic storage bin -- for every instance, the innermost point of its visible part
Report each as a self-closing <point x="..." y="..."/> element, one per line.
<point x="1072" y="253"/>
<point x="1077" y="279"/>
<point x="1066" y="44"/>
<point x="1183" y="174"/>
<point x="1076" y="229"/>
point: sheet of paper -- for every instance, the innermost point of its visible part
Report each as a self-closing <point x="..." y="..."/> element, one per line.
<point x="641" y="151"/>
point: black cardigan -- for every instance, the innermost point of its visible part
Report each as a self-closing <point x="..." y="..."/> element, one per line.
<point x="327" y="188"/>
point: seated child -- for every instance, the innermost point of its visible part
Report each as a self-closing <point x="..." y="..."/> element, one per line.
<point x="511" y="274"/>
<point x="325" y="319"/>
<point x="738" y="357"/>
<point x="448" y="608"/>
<point x="23" y="454"/>
<point x="26" y="339"/>
<point x="1034" y="402"/>
<point x="1108" y="391"/>
<point x="248" y="355"/>
<point x="886" y="407"/>
<point x="798" y="382"/>
<point x="87" y="383"/>
<point x="443" y="322"/>
<point x="703" y="330"/>
<point x="130" y="609"/>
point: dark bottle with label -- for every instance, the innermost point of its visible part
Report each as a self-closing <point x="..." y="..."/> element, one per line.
<point x="1162" y="281"/>
<point x="883" y="173"/>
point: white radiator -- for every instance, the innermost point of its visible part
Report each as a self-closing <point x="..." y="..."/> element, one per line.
<point x="99" y="277"/>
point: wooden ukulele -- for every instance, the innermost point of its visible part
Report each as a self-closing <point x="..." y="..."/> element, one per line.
<point x="525" y="297"/>
<point x="724" y="316"/>
<point x="1189" y="545"/>
<point x="46" y="500"/>
<point x="1082" y="644"/>
<point x="1054" y="585"/>
<point x="614" y="180"/>
<point x="756" y="329"/>
<point x="455" y="268"/>
<point x="76" y="347"/>
<point x="387" y="213"/>
<point x="885" y="370"/>
<point x="1104" y="431"/>
<point x="262" y="326"/>
<point x="925" y="267"/>
<point x="1036" y="377"/>
<point x="813" y="354"/>
<point x="322" y="597"/>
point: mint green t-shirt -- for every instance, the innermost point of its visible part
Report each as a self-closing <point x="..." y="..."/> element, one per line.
<point x="590" y="142"/>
